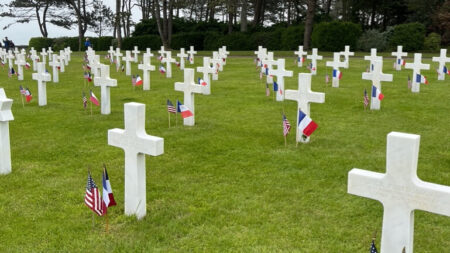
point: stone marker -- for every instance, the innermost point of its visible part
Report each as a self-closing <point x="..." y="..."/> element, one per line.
<point x="206" y="70"/>
<point x="280" y="73"/>
<point x="105" y="82"/>
<point x="398" y="57"/>
<point x="225" y="53"/>
<point x="416" y="66"/>
<point x="168" y="60"/>
<point x="62" y="61"/>
<point x="400" y="191"/>
<point x="300" y="53"/>
<point x="260" y="55"/>
<point x="191" y="53"/>
<point x="442" y="59"/>
<point x="346" y="53"/>
<point x="20" y="62"/>
<point x="128" y="59"/>
<point x="136" y="54"/>
<point x="162" y="52"/>
<point x="44" y="57"/>
<point x="5" y="116"/>
<point x="182" y="55"/>
<point x="216" y="63"/>
<point x="35" y="58"/>
<point x="95" y="64"/>
<point x="68" y="54"/>
<point x="376" y="76"/>
<point x="304" y="96"/>
<point x="10" y="58"/>
<point x="55" y="64"/>
<point x="189" y="87"/>
<point x="335" y="64"/>
<point x="118" y="54"/>
<point x="136" y="143"/>
<point x="146" y="67"/>
<point x="50" y="54"/>
<point x="314" y="57"/>
<point x="267" y="63"/>
<point x="111" y="53"/>
<point x="42" y="77"/>
<point x="372" y="57"/>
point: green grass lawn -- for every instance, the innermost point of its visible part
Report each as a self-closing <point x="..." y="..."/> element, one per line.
<point x="228" y="183"/>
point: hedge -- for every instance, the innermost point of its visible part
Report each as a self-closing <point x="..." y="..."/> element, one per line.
<point x="334" y="36"/>
<point x="40" y="43"/>
<point x="142" y="42"/>
<point x="99" y="44"/>
<point x="411" y="36"/>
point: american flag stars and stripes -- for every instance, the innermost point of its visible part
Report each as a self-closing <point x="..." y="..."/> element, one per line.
<point x="92" y="197"/>
<point x="85" y="100"/>
<point x="366" y="99"/>
<point x="286" y="126"/>
<point x="170" y="107"/>
<point x="373" y="248"/>
<point x="22" y="90"/>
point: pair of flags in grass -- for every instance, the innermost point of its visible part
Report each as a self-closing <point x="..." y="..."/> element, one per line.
<point x="375" y="94"/>
<point x="26" y="92"/>
<point x="276" y="88"/>
<point x="92" y="198"/>
<point x="182" y="109"/>
<point x="92" y="98"/>
<point x="305" y="125"/>
<point x="87" y="76"/>
<point x="136" y="80"/>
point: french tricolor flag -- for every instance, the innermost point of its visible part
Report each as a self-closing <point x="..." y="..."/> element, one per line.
<point x="138" y="81"/>
<point x="162" y="70"/>
<point x="305" y="124"/>
<point x="94" y="99"/>
<point x="27" y="65"/>
<point x="446" y="71"/>
<point x="160" y="58"/>
<point x="421" y="79"/>
<point x="401" y="62"/>
<point x="108" y="196"/>
<point x="185" y="112"/>
<point x="337" y="74"/>
<point x="201" y="82"/>
<point x="376" y="93"/>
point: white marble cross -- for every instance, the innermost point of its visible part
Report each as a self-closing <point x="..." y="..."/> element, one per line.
<point x="146" y="67"/>
<point x="346" y="53"/>
<point x="55" y="64"/>
<point x="50" y="53"/>
<point x="280" y="73"/>
<point x="217" y="63"/>
<point x="5" y="116"/>
<point x="223" y="55"/>
<point x="400" y="191"/>
<point x="42" y="77"/>
<point x="372" y="57"/>
<point x="118" y="54"/>
<point x="398" y="56"/>
<point x="314" y="57"/>
<point x="68" y="54"/>
<point x="20" y="62"/>
<point x="182" y="55"/>
<point x="416" y="66"/>
<point x="95" y="64"/>
<point x="105" y="82"/>
<point x="111" y="53"/>
<point x="35" y="58"/>
<point x="304" y="96"/>
<point x="189" y="87"/>
<point x="136" y="54"/>
<point x="217" y="55"/>
<point x="376" y="76"/>
<point x="206" y="70"/>
<point x="128" y="59"/>
<point x="136" y="143"/>
<point x="442" y="59"/>
<point x="168" y="60"/>
<point x="10" y="57"/>
<point x="162" y="52"/>
<point x="335" y="64"/>
<point x="44" y="56"/>
<point x="62" y="61"/>
<point x="191" y="53"/>
<point x="267" y="63"/>
<point x="300" y="53"/>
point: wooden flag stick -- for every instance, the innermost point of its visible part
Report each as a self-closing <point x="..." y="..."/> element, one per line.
<point x="169" y="117"/>
<point x="21" y="96"/>
<point x="91" y="108"/>
<point x="285" y="141"/>
<point x="107" y="223"/>
<point x="176" y="117"/>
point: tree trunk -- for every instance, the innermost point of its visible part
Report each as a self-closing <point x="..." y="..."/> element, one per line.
<point x="230" y="20"/>
<point x="309" y="23"/>
<point x="169" y="24"/>
<point x="244" y="16"/>
<point x="328" y="7"/>
<point x="117" y="27"/>
<point x="157" y="14"/>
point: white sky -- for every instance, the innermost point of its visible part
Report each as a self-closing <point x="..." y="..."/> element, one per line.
<point x="20" y="34"/>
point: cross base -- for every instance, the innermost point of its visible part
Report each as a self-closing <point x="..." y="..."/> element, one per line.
<point x="5" y="151"/>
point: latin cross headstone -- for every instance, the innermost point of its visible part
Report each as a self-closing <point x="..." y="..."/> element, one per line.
<point x="416" y="66"/>
<point x="168" y="60"/>
<point x="372" y="57"/>
<point x="55" y="64"/>
<point x="128" y="59"/>
<point x="5" y="116"/>
<point x="16" y="51"/>
<point x="191" y="53"/>
<point x="50" y="53"/>
<point x="146" y="67"/>
<point x="44" y="56"/>
<point x="20" y="62"/>
<point x="162" y="52"/>
<point x="105" y="82"/>
<point x="206" y="70"/>
<point x="189" y="87"/>
<point x="62" y="61"/>
<point x="258" y="53"/>
<point x="225" y="54"/>
<point x="182" y="55"/>
<point x="267" y="63"/>
<point x="68" y="54"/>
<point x="95" y="65"/>
<point x="398" y="57"/>
<point x="314" y="57"/>
<point x="136" y="54"/>
<point x="400" y="191"/>
<point x="148" y="52"/>
<point x="216" y="63"/>
<point x="304" y="96"/>
<point x="136" y="143"/>
<point x="346" y="53"/>
<point x="111" y="53"/>
<point x="34" y="57"/>
<point x="300" y="56"/>
<point x="335" y="64"/>
<point x="42" y="77"/>
<point x="376" y="76"/>
<point x="118" y="54"/>
<point x="280" y="73"/>
<point x="10" y="58"/>
<point x="442" y="59"/>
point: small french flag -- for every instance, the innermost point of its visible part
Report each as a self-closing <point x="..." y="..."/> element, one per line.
<point x="185" y="112"/>
<point x="160" y="58"/>
<point x="376" y="93"/>
<point x="446" y="71"/>
<point x="401" y="62"/>
<point x="337" y="74"/>
<point x="201" y="82"/>
<point x="305" y="124"/>
<point x="138" y="81"/>
<point x="94" y="99"/>
<point x="421" y="79"/>
<point x="162" y="70"/>
<point x="27" y="65"/>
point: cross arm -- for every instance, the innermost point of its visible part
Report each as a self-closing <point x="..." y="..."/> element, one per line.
<point x="433" y="198"/>
<point x="291" y="95"/>
<point x="364" y="183"/>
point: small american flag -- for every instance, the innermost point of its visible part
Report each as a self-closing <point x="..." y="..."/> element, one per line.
<point x="92" y="197"/>
<point x="85" y="100"/>
<point x="170" y="107"/>
<point x="409" y="82"/>
<point x="327" y="78"/>
<point x="286" y="126"/>
<point x="133" y="80"/>
<point x="22" y="90"/>
<point x="366" y="99"/>
<point x="373" y="249"/>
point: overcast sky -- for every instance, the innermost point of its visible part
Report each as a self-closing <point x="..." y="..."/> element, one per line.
<point x="20" y="34"/>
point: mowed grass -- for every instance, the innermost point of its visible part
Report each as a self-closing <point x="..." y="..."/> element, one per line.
<point x="228" y="183"/>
